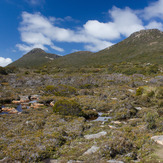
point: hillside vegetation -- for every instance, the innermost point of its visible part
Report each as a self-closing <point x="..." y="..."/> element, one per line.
<point x="33" y="59"/>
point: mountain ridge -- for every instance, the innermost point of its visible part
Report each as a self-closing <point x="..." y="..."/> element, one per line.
<point x="141" y="46"/>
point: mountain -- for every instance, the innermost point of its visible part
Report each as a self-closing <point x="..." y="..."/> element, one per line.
<point x="140" y="47"/>
<point x="35" y="58"/>
<point x="143" y="46"/>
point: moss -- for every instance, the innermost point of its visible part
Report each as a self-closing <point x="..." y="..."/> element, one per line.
<point x="67" y="107"/>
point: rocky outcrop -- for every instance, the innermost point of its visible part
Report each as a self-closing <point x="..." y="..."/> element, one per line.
<point x="158" y="139"/>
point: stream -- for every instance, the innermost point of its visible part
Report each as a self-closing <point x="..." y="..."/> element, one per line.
<point x="19" y="107"/>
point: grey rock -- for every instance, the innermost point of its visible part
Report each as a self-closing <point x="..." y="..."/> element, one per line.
<point x="158" y="139"/>
<point x="115" y="161"/>
<point x="92" y="150"/>
<point x="94" y="136"/>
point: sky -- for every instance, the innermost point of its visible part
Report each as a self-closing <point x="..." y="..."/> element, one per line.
<point x="65" y="26"/>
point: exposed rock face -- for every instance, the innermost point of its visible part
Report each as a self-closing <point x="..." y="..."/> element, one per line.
<point x="142" y="33"/>
<point x="94" y="136"/>
<point x="158" y="139"/>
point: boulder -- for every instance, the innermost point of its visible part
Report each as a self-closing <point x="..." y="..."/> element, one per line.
<point x="95" y="136"/>
<point x="158" y="139"/>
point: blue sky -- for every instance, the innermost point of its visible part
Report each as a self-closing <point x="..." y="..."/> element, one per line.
<point x="66" y="26"/>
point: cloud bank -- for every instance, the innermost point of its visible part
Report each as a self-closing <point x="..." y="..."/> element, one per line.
<point x="5" y="61"/>
<point x="39" y="31"/>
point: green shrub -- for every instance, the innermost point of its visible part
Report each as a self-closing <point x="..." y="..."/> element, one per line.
<point x="67" y="107"/>
<point x="88" y="86"/>
<point x="60" y="90"/>
<point x="152" y="69"/>
<point x="150" y="93"/>
<point x="151" y="120"/>
<point x="49" y="89"/>
<point x="139" y="91"/>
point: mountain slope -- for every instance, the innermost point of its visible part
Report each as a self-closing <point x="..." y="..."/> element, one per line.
<point x="142" y="46"/>
<point x="75" y="59"/>
<point x="35" y="58"/>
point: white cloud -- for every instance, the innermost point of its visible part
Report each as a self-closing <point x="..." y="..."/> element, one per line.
<point x="37" y="30"/>
<point x="155" y="24"/>
<point x="125" y="21"/>
<point x="5" y="61"/>
<point x="40" y="31"/>
<point x="155" y="9"/>
<point x="101" y="30"/>
<point x="27" y="48"/>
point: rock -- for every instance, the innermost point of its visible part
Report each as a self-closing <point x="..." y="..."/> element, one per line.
<point x="113" y="127"/>
<point x="4" y="160"/>
<point x="158" y="139"/>
<point x="52" y="103"/>
<point x="16" y="101"/>
<point x="115" y="161"/>
<point x="114" y="98"/>
<point x="13" y="111"/>
<point x="95" y="136"/>
<point x="50" y="161"/>
<point x="131" y="90"/>
<point x="9" y="110"/>
<point x="92" y="150"/>
<point x="37" y="105"/>
<point x="25" y="105"/>
<point x="24" y="99"/>
<point x="34" y="97"/>
<point x="73" y="161"/>
<point x="116" y="122"/>
<point x="138" y="108"/>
